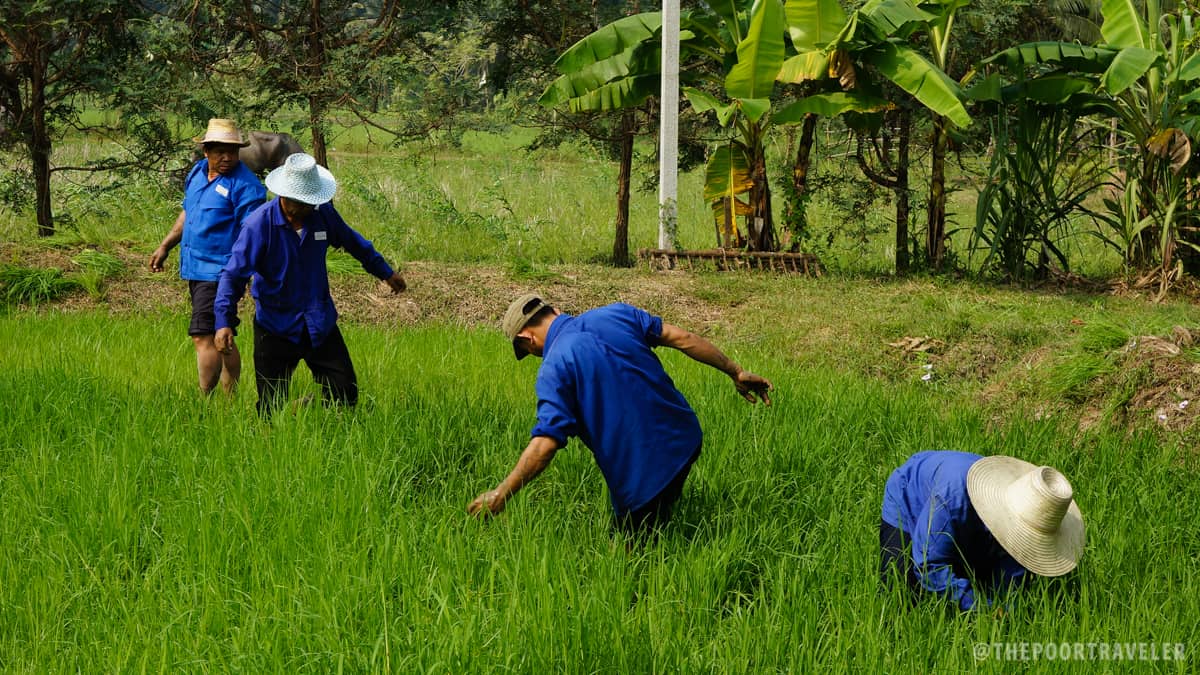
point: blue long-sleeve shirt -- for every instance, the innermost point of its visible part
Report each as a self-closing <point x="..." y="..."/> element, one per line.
<point x="291" y="284"/>
<point x="214" y="210"/>
<point x="601" y="381"/>
<point x="926" y="498"/>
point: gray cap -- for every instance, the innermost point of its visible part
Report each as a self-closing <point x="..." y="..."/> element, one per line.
<point x="518" y="314"/>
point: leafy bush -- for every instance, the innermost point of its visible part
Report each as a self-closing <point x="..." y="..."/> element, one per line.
<point x="1037" y="182"/>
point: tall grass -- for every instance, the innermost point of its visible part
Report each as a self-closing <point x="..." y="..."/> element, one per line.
<point x="148" y="529"/>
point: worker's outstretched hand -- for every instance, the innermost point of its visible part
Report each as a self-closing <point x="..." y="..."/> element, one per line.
<point x="752" y="387"/>
<point x="486" y="504"/>
<point x="396" y="283"/>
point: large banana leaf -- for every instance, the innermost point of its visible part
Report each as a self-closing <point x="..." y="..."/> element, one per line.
<point x="989" y="89"/>
<point x="729" y="11"/>
<point x="830" y="105"/>
<point x="1128" y="67"/>
<point x="813" y="65"/>
<point x="1190" y="69"/>
<point x="615" y="38"/>
<point x="911" y="72"/>
<point x="754" y="108"/>
<point x="639" y="60"/>
<point x="760" y="53"/>
<point x="1052" y="89"/>
<point x="627" y="92"/>
<point x="813" y="23"/>
<point x="727" y="173"/>
<point x="1123" y="24"/>
<point x="895" y="19"/>
<point x="703" y="101"/>
<point x="1074" y="56"/>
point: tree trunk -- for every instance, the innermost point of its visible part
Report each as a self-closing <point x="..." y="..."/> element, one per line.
<point x="901" y="191"/>
<point x="315" y="66"/>
<point x="935" y="242"/>
<point x="316" y="122"/>
<point x="798" y="218"/>
<point x="762" y="226"/>
<point x="621" y="238"/>
<point x="39" y="144"/>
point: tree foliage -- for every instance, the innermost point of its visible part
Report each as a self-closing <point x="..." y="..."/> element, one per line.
<point x="55" y="58"/>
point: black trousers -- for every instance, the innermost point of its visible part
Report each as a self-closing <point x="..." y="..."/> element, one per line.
<point x="276" y="358"/>
<point x="656" y="512"/>
<point x="894" y="559"/>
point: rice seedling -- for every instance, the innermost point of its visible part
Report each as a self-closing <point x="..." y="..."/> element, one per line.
<point x="33" y="285"/>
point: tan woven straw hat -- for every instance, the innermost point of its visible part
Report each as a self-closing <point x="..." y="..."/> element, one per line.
<point x="302" y="179"/>
<point x="222" y="131"/>
<point x="519" y="312"/>
<point x="1031" y="511"/>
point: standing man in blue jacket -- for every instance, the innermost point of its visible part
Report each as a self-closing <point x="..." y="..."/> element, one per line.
<point x="600" y="381"/>
<point x="283" y="246"/>
<point x="218" y="193"/>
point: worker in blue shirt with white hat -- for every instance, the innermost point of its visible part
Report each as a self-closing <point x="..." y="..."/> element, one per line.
<point x="600" y="381"/>
<point x="283" y="246"/>
<point x="970" y="527"/>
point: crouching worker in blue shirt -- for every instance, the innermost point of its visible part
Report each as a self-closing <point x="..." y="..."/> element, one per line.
<point x="600" y="381"/>
<point x="282" y="246"/>
<point x="976" y="523"/>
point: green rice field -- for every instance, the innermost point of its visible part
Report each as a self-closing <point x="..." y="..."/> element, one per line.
<point x="146" y="529"/>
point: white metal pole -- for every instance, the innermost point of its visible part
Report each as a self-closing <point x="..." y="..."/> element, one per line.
<point x="668" y="144"/>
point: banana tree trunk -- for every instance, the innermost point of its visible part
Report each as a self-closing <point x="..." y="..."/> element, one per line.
<point x="621" y="238"/>
<point x="901" y="190"/>
<point x="935" y="242"/>
<point x="798" y="206"/>
<point x="762" y="226"/>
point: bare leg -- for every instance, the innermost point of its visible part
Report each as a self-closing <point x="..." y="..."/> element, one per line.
<point x="208" y="362"/>
<point x="231" y="370"/>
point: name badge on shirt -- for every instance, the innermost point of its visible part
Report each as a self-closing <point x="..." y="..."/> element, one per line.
<point x="319" y="236"/>
<point x="222" y="190"/>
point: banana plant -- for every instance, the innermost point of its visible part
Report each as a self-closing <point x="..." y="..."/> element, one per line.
<point x="869" y="48"/>
<point x="733" y="56"/>
<point x="755" y="36"/>
<point x="730" y="43"/>
<point x="1143" y="75"/>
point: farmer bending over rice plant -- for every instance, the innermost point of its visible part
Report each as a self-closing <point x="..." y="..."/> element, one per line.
<point x="600" y="381"/>
<point x="955" y="523"/>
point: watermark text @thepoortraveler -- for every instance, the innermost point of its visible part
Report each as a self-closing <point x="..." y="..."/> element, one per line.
<point x="1080" y="651"/>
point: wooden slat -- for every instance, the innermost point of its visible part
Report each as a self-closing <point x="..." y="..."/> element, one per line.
<point x="733" y="259"/>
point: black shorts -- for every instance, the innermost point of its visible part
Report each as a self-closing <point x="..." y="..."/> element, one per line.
<point x="204" y="321"/>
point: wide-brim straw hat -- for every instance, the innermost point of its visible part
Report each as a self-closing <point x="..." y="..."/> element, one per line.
<point x="1031" y="512"/>
<point x="302" y="179"/>
<point x="222" y="131"/>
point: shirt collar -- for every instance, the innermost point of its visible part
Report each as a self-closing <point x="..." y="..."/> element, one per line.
<point x="275" y="214"/>
<point x="556" y="327"/>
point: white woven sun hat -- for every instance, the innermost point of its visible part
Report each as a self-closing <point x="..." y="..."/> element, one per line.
<point x="1031" y="512"/>
<point x="302" y="179"/>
